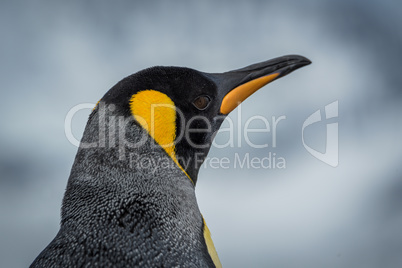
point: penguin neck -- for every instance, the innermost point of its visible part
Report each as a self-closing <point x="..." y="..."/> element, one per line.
<point x="191" y="159"/>
<point x="116" y="153"/>
<point x="191" y="154"/>
<point x="114" y="174"/>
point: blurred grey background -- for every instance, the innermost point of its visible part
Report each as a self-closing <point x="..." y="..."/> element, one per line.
<point x="55" y="55"/>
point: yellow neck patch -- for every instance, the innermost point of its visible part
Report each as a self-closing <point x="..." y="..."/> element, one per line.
<point x="156" y="113"/>
<point x="210" y="246"/>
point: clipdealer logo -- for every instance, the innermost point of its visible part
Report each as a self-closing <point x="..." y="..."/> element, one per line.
<point x="331" y="154"/>
<point x="113" y="130"/>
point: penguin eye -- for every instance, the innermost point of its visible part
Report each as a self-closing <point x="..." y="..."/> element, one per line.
<point x="201" y="102"/>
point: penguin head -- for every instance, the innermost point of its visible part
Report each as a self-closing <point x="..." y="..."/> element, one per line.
<point x="182" y="109"/>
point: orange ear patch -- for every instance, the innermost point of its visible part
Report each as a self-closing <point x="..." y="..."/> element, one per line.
<point x="156" y="113"/>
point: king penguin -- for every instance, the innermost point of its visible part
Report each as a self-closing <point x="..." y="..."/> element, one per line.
<point x="130" y="199"/>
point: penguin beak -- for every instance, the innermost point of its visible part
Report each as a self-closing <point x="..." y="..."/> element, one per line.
<point x="237" y="85"/>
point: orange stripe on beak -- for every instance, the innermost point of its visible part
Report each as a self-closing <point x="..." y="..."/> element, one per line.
<point x="242" y="92"/>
